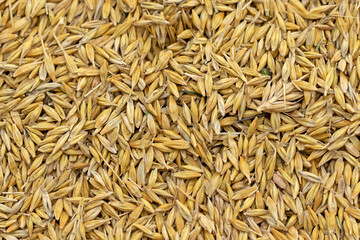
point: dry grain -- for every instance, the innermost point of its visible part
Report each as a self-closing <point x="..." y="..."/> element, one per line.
<point x="170" y="119"/>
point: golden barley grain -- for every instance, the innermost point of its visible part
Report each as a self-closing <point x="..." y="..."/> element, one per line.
<point x="194" y="119"/>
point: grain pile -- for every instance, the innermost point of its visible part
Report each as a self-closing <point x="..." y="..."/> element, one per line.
<point x="179" y="119"/>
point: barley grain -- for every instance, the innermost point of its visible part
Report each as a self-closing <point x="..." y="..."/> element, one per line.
<point x="195" y="119"/>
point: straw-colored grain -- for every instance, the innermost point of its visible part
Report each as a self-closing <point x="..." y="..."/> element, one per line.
<point x="193" y="119"/>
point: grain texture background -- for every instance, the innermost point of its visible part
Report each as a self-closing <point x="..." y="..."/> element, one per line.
<point x="179" y="119"/>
